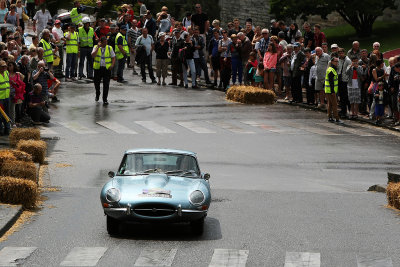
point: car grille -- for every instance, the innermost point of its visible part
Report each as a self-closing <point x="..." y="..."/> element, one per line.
<point x="154" y="210"/>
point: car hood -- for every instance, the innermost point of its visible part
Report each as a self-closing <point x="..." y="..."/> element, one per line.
<point x="132" y="186"/>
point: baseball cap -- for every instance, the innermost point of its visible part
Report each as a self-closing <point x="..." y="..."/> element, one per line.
<point x="334" y="46"/>
<point x="161" y="34"/>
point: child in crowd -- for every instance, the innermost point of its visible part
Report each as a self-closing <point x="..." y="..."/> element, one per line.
<point x="379" y="103"/>
<point x="251" y="67"/>
<point x="259" y="76"/>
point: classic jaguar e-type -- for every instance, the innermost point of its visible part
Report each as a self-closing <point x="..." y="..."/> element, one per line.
<point x="157" y="185"/>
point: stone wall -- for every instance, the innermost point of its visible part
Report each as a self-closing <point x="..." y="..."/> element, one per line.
<point x="258" y="10"/>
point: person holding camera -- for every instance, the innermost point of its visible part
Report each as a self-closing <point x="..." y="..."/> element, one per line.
<point x="36" y="106"/>
<point x="41" y="75"/>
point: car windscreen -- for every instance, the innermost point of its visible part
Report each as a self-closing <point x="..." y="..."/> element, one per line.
<point x="169" y="163"/>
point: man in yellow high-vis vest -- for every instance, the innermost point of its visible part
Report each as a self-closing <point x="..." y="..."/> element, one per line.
<point x="121" y="52"/>
<point x="331" y="89"/>
<point x="4" y="96"/>
<point x="87" y="38"/>
<point x="75" y="13"/>
<point x="72" y="50"/>
<point x="104" y="61"/>
<point x="48" y="47"/>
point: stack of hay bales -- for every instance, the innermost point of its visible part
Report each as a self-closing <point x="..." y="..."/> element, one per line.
<point x="393" y="195"/>
<point x="250" y="95"/>
<point x="18" y="173"/>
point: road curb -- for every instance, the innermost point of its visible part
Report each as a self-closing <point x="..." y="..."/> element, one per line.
<point x="359" y="119"/>
<point x="8" y="218"/>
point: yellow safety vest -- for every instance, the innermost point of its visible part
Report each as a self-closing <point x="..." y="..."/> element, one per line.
<point x="48" y="52"/>
<point x="118" y="53"/>
<point x="107" y="57"/>
<point x="75" y="16"/>
<point x="86" y="38"/>
<point x="335" y="81"/>
<point x="4" y="86"/>
<point x="72" y="44"/>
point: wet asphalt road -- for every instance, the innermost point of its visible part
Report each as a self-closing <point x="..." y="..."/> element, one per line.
<point x="283" y="179"/>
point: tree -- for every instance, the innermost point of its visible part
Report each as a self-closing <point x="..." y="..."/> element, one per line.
<point x="361" y="15"/>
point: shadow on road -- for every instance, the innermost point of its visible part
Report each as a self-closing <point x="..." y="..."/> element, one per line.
<point x="169" y="232"/>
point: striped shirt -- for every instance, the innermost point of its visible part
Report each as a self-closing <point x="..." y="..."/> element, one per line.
<point x="133" y="34"/>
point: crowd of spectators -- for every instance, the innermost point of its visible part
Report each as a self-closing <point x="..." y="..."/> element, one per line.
<point x="287" y="58"/>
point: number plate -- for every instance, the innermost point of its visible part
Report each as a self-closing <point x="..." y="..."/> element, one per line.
<point x="155" y="195"/>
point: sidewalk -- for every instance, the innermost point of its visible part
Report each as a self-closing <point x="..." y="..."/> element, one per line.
<point x="9" y="214"/>
<point x="361" y="119"/>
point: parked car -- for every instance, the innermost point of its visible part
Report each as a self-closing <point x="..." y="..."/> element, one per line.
<point x="157" y="185"/>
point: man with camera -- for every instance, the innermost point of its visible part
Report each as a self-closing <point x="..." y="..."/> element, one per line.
<point x="36" y="106"/>
<point x="41" y="75"/>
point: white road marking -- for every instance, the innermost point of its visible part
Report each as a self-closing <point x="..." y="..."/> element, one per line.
<point x="311" y="129"/>
<point x="77" y="128"/>
<point x="230" y="127"/>
<point x="116" y="127"/>
<point x="46" y="131"/>
<point x="302" y="259"/>
<point x="194" y="127"/>
<point x="156" y="257"/>
<point x="84" y="256"/>
<point x="358" y="132"/>
<point x="229" y="258"/>
<point x="154" y="127"/>
<point x="373" y="260"/>
<point x="270" y="128"/>
<point x="13" y="256"/>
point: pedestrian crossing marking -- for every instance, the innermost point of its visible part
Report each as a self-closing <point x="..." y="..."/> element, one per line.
<point x="84" y="256"/>
<point x="229" y="258"/>
<point x="156" y="257"/>
<point x="373" y="260"/>
<point x="46" y="131"/>
<point x="154" y="127"/>
<point x="77" y="127"/>
<point x="230" y="127"/>
<point x="310" y="129"/>
<point x="116" y="127"/>
<point x="12" y="256"/>
<point x="270" y="128"/>
<point x="194" y="127"/>
<point x="354" y="131"/>
<point x="302" y="259"/>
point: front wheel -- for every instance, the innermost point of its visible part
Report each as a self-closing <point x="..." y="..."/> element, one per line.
<point x="197" y="226"/>
<point x="112" y="226"/>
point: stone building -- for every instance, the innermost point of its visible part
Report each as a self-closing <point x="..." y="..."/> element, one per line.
<point x="258" y="10"/>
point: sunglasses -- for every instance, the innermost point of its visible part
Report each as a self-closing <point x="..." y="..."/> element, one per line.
<point x="198" y="7"/>
<point x="224" y="32"/>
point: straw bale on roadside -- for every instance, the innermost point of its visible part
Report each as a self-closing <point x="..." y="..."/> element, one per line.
<point x="18" y="191"/>
<point x="21" y="155"/>
<point x="250" y="95"/>
<point x="6" y="155"/>
<point x="393" y="195"/>
<point x="19" y="169"/>
<point x="36" y="148"/>
<point x="18" y="134"/>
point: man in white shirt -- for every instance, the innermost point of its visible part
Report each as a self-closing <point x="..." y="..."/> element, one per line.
<point x="146" y="40"/>
<point x="40" y="20"/>
<point x="58" y="35"/>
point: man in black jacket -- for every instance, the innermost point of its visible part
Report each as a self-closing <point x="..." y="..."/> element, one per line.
<point x="297" y="71"/>
<point x="176" y="65"/>
<point x="150" y="24"/>
<point x="394" y="83"/>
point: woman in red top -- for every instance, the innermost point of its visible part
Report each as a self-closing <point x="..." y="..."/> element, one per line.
<point x="17" y="90"/>
<point x="270" y="60"/>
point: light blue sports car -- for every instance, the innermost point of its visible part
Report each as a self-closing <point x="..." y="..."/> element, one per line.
<point x="157" y="185"/>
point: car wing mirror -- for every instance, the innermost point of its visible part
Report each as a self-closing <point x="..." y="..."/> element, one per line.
<point x="206" y="176"/>
<point x="111" y="174"/>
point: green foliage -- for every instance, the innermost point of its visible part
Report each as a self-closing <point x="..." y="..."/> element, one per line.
<point x="360" y="15"/>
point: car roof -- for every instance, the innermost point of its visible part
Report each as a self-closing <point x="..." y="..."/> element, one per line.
<point x="160" y="150"/>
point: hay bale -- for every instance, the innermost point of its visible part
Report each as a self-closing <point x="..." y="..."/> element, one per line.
<point x="21" y="155"/>
<point x="19" y="169"/>
<point x="18" y="134"/>
<point x="393" y="195"/>
<point x="250" y="95"/>
<point x="18" y="191"/>
<point x="36" y="148"/>
<point x="6" y="155"/>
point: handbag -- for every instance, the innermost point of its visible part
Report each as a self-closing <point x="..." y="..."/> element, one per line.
<point x="372" y="88"/>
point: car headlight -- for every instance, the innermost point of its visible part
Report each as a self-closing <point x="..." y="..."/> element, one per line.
<point x="113" y="195"/>
<point x="197" y="197"/>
